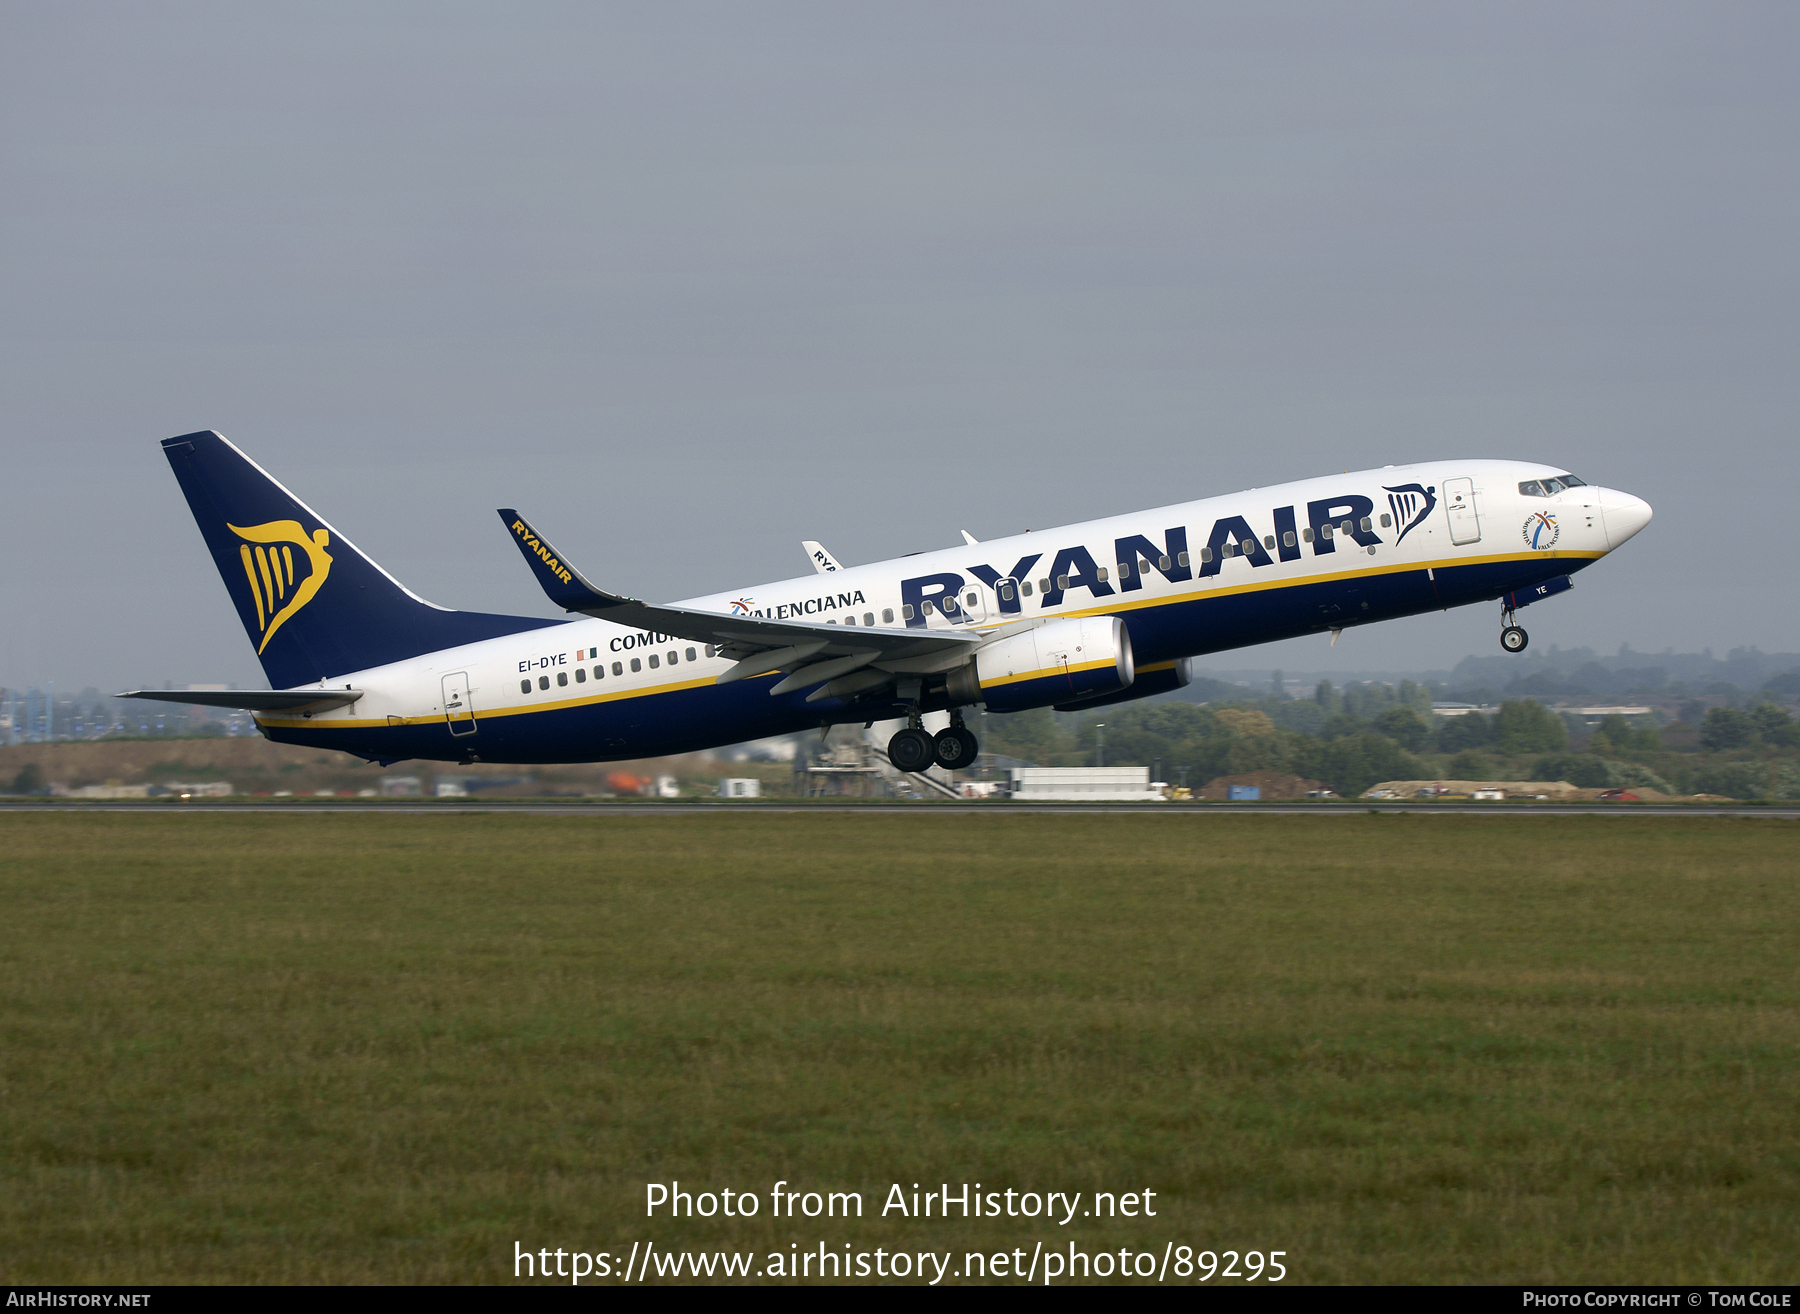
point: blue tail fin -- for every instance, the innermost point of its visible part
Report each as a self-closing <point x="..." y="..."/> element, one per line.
<point x="313" y="606"/>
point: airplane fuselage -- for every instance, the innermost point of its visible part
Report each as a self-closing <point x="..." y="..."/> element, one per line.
<point x="1186" y="580"/>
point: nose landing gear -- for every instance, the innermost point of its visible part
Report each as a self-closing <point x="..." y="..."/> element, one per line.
<point x="1512" y="637"/>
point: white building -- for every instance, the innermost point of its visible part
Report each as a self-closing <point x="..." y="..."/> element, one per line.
<point x="1084" y="784"/>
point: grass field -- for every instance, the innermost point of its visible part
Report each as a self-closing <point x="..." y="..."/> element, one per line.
<point x="1399" y="1048"/>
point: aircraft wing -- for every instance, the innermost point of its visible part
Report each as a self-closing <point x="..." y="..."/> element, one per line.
<point x="812" y="651"/>
<point x="253" y="700"/>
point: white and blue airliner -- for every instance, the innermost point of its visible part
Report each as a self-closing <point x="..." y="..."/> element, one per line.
<point x="1077" y="617"/>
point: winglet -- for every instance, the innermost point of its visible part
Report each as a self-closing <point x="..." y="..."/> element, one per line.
<point x="822" y="561"/>
<point x="561" y="582"/>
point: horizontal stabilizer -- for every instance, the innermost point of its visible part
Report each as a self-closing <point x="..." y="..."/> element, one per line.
<point x="253" y="700"/>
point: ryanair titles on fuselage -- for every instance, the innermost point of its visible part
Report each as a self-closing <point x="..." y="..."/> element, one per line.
<point x="1349" y="518"/>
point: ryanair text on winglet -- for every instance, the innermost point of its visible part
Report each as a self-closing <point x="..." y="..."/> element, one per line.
<point x="531" y="541"/>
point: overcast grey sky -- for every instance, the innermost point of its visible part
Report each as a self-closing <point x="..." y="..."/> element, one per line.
<point x="690" y="283"/>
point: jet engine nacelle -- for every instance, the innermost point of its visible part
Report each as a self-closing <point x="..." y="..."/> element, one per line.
<point x="1064" y="661"/>
<point x="1164" y="677"/>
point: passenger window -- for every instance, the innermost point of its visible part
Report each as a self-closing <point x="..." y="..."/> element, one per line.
<point x="849" y="620"/>
<point x="1269" y="542"/>
<point x="524" y="686"/>
<point x="1025" y="588"/>
<point x="974" y="599"/>
<point x="925" y="606"/>
<point x="690" y="655"/>
<point x="1100" y="573"/>
<point x="1006" y="593"/>
<point x="1205" y="555"/>
<point x="1386" y="521"/>
<point x="906" y="610"/>
<point x="562" y="679"/>
<point x="674" y="659"/>
<point x="636" y="665"/>
<point x="1365" y="524"/>
<point x="599" y="672"/>
<point x="1306" y="535"/>
<point x="619" y="668"/>
<point x="1182" y="558"/>
<point x="887" y="615"/>
<point x="711" y="652"/>
<point x="1228" y="551"/>
<point x="581" y="675"/>
<point x="1062" y="582"/>
<point x="1162" y="563"/>
<point x="543" y="682"/>
<point x="1349" y="527"/>
<point x="1287" y="538"/>
<point x="868" y="618"/>
<point x="1325" y="533"/>
<point x="1124" y="570"/>
<point x="1043" y="586"/>
<point x="653" y="662"/>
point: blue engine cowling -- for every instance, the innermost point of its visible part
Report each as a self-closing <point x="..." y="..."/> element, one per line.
<point x="1163" y="677"/>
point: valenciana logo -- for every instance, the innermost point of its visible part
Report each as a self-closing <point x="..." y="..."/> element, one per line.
<point x="1541" y="531"/>
<point x="281" y="581"/>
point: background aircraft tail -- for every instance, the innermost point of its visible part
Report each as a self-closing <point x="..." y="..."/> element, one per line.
<point x="313" y="605"/>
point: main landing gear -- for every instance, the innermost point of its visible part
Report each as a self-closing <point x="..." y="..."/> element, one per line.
<point x="1512" y="637"/>
<point x="917" y="749"/>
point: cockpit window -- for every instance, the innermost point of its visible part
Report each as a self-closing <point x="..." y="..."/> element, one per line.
<point x="1549" y="487"/>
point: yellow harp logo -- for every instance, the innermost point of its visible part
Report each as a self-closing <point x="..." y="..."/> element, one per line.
<point x="279" y="590"/>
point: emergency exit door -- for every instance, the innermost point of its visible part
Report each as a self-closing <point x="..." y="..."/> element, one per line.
<point x="459" y="712"/>
<point x="1459" y="504"/>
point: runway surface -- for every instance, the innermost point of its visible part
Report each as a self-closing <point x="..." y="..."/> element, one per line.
<point x="923" y="807"/>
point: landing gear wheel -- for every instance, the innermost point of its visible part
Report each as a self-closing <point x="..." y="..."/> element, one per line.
<point x="955" y="748"/>
<point x="911" y="750"/>
<point x="1514" y="639"/>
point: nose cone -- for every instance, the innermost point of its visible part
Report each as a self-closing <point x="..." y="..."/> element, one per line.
<point x="1624" y="515"/>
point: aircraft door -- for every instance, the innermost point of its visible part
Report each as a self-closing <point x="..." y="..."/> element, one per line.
<point x="972" y="602"/>
<point x="1006" y="598"/>
<point x="459" y="711"/>
<point x="1459" y="502"/>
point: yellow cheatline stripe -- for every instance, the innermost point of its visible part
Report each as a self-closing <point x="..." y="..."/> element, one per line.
<point x="250" y="574"/>
<point x="486" y="714"/>
<point x="1261" y="586"/>
<point x="1047" y="672"/>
